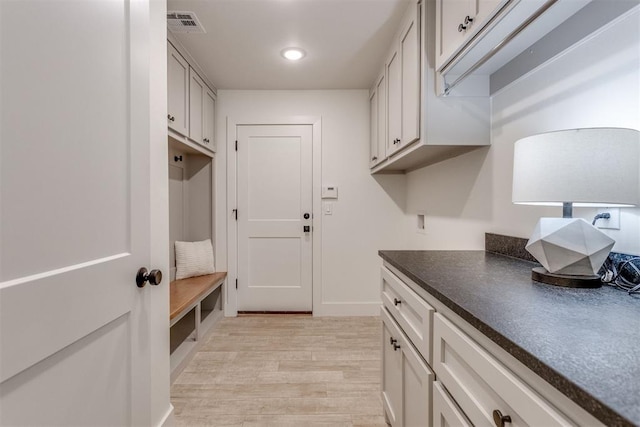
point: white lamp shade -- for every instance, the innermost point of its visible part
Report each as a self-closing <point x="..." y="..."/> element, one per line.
<point x="587" y="167"/>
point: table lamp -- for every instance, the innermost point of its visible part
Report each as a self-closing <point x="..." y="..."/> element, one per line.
<point x="591" y="167"/>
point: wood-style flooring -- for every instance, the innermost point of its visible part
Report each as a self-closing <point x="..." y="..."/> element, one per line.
<point x="284" y="370"/>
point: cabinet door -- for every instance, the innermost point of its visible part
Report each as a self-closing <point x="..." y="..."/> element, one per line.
<point x="450" y="16"/>
<point x="410" y="57"/>
<point x="177" y="92"/>
<point x="391" y="371"/>
<point x="483" y="10"/>
<point x="209" y="117"/>
<point x="196" y="107"/>
<point x="381" y="90"/>
<point x="416" y="388"/>
<point x="445" y="411"/>
<point x="394" y="103"/>
<point x="373" y="128"/>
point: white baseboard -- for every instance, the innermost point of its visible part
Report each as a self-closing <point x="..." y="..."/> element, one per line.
<point x="347" y="309"/>
<point x="167" y="420"/>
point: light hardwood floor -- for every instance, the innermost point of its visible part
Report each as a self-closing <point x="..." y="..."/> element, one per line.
<point x="284" y="370"/>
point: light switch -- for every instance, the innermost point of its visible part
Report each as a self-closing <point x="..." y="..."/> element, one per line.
<point x="330" y="192"/>
<point x="328" y="208"/>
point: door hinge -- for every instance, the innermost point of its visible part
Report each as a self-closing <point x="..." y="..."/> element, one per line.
<point x="235" y="212"/>
<point x="236" y="145"/>
<point x="236" y="283"/>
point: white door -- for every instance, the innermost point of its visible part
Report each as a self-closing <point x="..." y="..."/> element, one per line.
<point x="274" y="200"/>
<point x="76" y="343"/>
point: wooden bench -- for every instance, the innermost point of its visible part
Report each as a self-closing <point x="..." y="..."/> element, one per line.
<point x="185" y="296"/>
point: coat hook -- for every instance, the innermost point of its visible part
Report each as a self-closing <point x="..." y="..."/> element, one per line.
<point x="177" y="158"/>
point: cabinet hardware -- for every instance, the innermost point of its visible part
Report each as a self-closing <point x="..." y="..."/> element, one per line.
<point x="396" y="301"/>
<point x="306" y="228"/>
<point x="392" y="340"/>
<point x="499" y="419"/>
<point x="468" y="20"/>
<point x="374" y="158"/>
<point x="306" y="215"/>
<point x="396" y="347"/>
<point x="171" y="118"/>
<point x="177" y="158"/>
<point x="461" y="28"/>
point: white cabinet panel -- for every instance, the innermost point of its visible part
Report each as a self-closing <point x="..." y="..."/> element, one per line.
<point x="381" y="90"/>
<point x="445" y="411"/>
<point x="481" y="385"/>
<point x="373" y="128"/>
<point x="413" y="313"/>
<point x="196" y="106"/>
<point x="410" y="51"/>
<point x="406" y="381"/>
<point x="394" y="103"/>
<point x="209" y="113"/>
<point x="178" y="93"/>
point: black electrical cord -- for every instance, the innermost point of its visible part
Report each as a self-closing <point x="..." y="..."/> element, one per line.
<point x="615" y="275"/>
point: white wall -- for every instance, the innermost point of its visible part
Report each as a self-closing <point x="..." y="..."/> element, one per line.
<point x="365" y="217"/>
<point x="595" y="84"/>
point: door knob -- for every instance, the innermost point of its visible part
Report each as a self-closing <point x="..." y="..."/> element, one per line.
<point x="306" y="216"/>
<point x="143" y="276"/>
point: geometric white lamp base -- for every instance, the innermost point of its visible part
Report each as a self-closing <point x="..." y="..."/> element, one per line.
<point x="569" y="246"/>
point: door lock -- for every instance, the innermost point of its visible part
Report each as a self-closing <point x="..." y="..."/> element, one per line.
<point x="306" y="215"/>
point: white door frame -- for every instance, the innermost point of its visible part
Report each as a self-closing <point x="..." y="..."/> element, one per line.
<point x="231" y="303"/>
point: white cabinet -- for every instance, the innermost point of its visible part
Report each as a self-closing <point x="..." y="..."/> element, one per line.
<point x="460" y="20"/>
<point x="403" y="83"/>
<point x="406" y="382"/>
<point x="394" y="103"/>
<point x="482" y="387"/>
<point x="201" y="111"/>
<point x="177" y="92"/>
<point x="423" y="128"/>
<point x="209" y="120"/>
<point x="378" y="121"/>
<point x="445" y="411"/>
<point x="475" y="384"/>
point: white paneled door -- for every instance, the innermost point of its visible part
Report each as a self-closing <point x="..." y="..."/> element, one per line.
<point x="274" y="218"/>
<point x="76" y="338"/>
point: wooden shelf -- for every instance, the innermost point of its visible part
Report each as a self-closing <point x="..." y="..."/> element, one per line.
<point x="184" y="293"/>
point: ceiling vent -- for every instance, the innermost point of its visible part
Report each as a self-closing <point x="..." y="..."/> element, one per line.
<point x="184" y="22"/>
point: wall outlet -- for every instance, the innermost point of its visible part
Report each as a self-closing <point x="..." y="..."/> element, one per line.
<point x="612" y="223"/>
<point x="420" y="224"/>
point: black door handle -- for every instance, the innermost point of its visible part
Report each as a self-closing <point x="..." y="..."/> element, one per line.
<point x="306" y="215"/>
<point x="307" y="228"/>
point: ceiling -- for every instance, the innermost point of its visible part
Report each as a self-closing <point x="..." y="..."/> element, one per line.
<point x="346" y="41"/>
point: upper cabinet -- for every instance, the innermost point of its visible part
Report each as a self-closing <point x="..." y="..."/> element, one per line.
<point x="378" y="118"/>
<point x="201" y="111"/>
<point x="177" y="92"/>
<point x="477" y="38"/>
<point x="422" y="128"/>
<point x="191" y="104"/>
<point x="459" y="20"/>
<point x="403" y="84"/>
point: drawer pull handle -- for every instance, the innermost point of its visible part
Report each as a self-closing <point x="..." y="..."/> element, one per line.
<point x="396" y="347"/>
<point x="500" y="419"/>
<point x="392" y="341"/>
<point x="468" y="20"/>
<point x="461" y="28"/>
<point x="396" y="301"/>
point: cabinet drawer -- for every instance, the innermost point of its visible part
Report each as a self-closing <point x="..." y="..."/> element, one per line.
<point x="406" y="378"/>
<point x="412" y="313"/>
<point x="445" y="411"/>
<point x="480" y="384"/>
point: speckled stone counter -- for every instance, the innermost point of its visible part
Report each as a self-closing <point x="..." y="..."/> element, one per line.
<point x="584" y="342"/>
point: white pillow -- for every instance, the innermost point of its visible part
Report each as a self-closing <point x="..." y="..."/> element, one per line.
<point x="194" y="259"/>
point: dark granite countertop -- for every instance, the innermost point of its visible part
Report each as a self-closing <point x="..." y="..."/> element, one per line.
<point x="584" y="342"/>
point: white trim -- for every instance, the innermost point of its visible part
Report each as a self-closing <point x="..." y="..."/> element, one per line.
<point x="231" y="303"/>
<point x="168" y="419"/>
<point x="347" y="309"/>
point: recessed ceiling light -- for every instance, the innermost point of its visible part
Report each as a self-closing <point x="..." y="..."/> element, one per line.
<point x="293" y="53"/>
